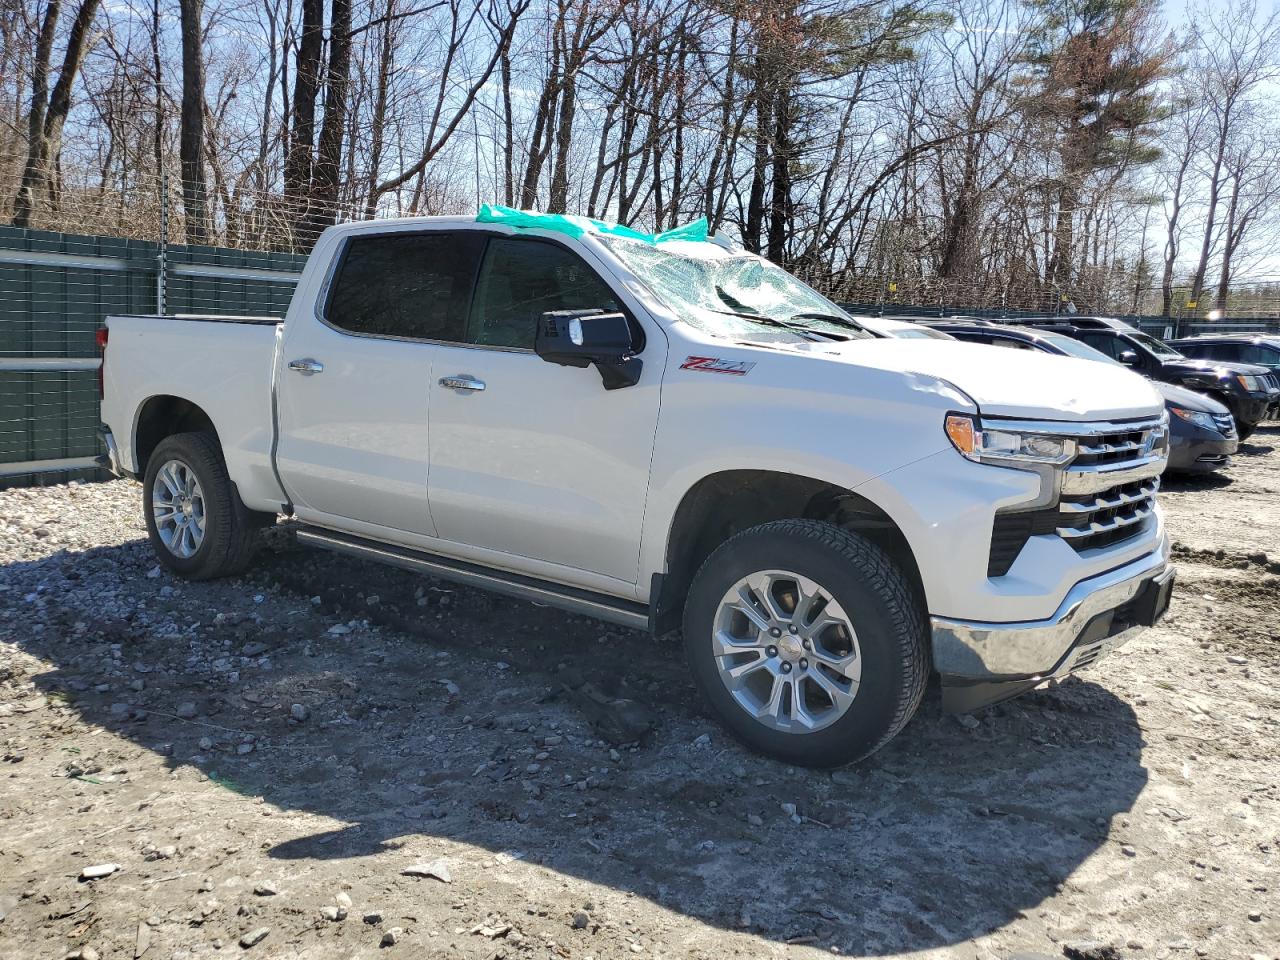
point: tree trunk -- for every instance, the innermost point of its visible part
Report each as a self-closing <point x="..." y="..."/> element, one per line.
<point x="306" y="86"/>
<point x="559" y="199"/>
<point x="323" y="199"/>
<point x="191" y="132"/>
<point x="753" y="228"/>
<point x="780" y="198"/>
<point x="34" y="173"/>
<point x="46" y="119"/>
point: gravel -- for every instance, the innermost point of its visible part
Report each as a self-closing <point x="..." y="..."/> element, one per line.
<point x="320" y="726"/>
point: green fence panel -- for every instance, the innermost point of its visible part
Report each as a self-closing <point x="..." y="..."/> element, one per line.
<point x="55" y="291"/>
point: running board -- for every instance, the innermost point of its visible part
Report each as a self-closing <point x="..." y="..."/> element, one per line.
<point x="627" y="613"/>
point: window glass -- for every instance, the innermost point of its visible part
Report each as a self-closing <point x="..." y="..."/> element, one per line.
<point x="1110" y="345"/>
<point x="405" y="285"/>
<point x="1260" y="353"/>
<point x="1157" y="347"/>
<point x="731" y="294"/>
<point x="1075" y="348"/>
<point x="1011" y="344"/>
<point x="522" y="279"/>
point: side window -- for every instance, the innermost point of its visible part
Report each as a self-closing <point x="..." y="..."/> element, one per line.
<point x="1258" y="353"/>
<point x="522" y="279"/>
<point x="1228" y="352"/>
<point x="1011" y="344"/>
<point x="1111" y="346"/>
<point x="405" y="285"/>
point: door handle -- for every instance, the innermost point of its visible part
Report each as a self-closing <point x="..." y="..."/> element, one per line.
<point x="307" y="366"/>
<point x="462" y="382"/>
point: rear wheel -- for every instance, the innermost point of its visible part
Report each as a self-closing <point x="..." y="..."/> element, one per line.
<point x="195" y="520"/>
<point x="808" y="641"/>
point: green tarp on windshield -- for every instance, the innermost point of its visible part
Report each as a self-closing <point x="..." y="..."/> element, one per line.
<point x="576" y="226"/>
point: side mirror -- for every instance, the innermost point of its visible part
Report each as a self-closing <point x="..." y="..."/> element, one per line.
<point x="580" y="338"/>
<point x="1129" y="358"/>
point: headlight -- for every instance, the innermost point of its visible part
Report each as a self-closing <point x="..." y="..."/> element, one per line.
<point x="1249" y="383"/>
<point x="977" y="443"/>
<point x="1196" y="417"/>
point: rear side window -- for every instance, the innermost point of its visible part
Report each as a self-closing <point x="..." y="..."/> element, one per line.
<point x="1111" y="346"/>
<point x="523" y="279"/>
<point x="1259" y="353"/>
<point x="1214" y="351"/>
<point x="413" y="285"/>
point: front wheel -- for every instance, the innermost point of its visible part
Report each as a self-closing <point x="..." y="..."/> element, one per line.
<point x="195" y="520"/>
<point x="1245" y="430"/>
<point x="808" y="641"/>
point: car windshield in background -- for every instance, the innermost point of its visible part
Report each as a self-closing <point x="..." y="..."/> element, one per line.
<point x="732" y="295"/>
<point x="1155" y="346"/>
<point x="1076" y="349"/>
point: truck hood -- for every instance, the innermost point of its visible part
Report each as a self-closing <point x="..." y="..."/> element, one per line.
<point x="1005" y="382"/>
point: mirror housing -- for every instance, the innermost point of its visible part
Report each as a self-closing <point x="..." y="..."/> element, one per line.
<point x="580" y="338"/>
<point x="1129" y="358"/>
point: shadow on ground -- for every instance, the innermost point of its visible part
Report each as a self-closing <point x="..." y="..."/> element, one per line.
<point x="432" y="724"/>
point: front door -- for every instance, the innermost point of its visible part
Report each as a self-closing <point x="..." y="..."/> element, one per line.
<point x="355" y="386"/>
<point x="532" y="459"/>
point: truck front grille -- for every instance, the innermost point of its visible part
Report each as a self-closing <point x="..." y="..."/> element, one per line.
<point x="1091" y="521"/>
<point x="1106" y="493"/>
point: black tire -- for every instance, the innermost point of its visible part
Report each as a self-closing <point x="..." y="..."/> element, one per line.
<point x="230" y="529"/>
<point x="883" y="610"/>
<point x="1245" y="430"/>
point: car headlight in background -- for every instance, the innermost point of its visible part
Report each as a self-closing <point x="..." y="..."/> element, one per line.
<point x="1197" y="417"/>
<point x="1249" y="383"/>
<point x="982" y="444"/>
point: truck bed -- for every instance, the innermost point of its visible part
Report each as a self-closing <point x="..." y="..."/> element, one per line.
<point x="224" y="365"/>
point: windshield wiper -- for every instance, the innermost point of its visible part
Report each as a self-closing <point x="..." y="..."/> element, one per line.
<point x="764" y="321"/>
<point x="835" y="318"/>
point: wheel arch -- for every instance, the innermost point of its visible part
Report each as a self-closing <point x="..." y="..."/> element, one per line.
<point x="163" y="415"/>
<point x="725" y="503"/>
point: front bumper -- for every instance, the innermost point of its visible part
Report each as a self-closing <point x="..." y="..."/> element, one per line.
<point x="982" y="663"/>
<point x="1250" y="408"/>
<point x="1200" y="451"/>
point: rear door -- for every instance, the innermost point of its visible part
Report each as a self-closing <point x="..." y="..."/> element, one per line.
<point x="355" y="387"/>
<point x="533" y="460"/>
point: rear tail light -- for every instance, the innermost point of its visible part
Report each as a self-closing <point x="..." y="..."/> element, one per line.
<point x="101" y="337"/>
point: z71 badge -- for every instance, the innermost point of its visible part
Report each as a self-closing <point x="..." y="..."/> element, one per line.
<point x="735" y="368"/>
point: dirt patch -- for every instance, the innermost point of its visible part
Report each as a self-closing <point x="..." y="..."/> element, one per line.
<point x="275" y="752"/>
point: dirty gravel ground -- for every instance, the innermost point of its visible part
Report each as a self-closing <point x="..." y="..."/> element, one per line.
<point x="151" y="724"/>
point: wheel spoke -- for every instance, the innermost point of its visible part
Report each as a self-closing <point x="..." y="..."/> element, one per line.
<point x="840" y="696"/>
<point x="748" y="608"/>
<point x="805" y="601"/>
<point x="725" y="644"/>
<point x="740" y="673"/>
<point x="773" y="707"/>
<point x="171" y="483"/>
<point x="840" y="664"/>
<point x="799" y="712"/>
<point x="762" y="586"/>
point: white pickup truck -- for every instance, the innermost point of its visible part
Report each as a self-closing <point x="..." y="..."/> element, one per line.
<point x="667" y="435"/>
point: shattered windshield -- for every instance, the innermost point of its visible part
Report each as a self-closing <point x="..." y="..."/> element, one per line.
<point x="733" y="294"/>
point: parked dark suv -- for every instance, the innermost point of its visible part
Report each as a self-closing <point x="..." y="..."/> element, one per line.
<point x="1262" y="349"/>
<point x="1243" y="388"/>
<point x="1202" y="432"/>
